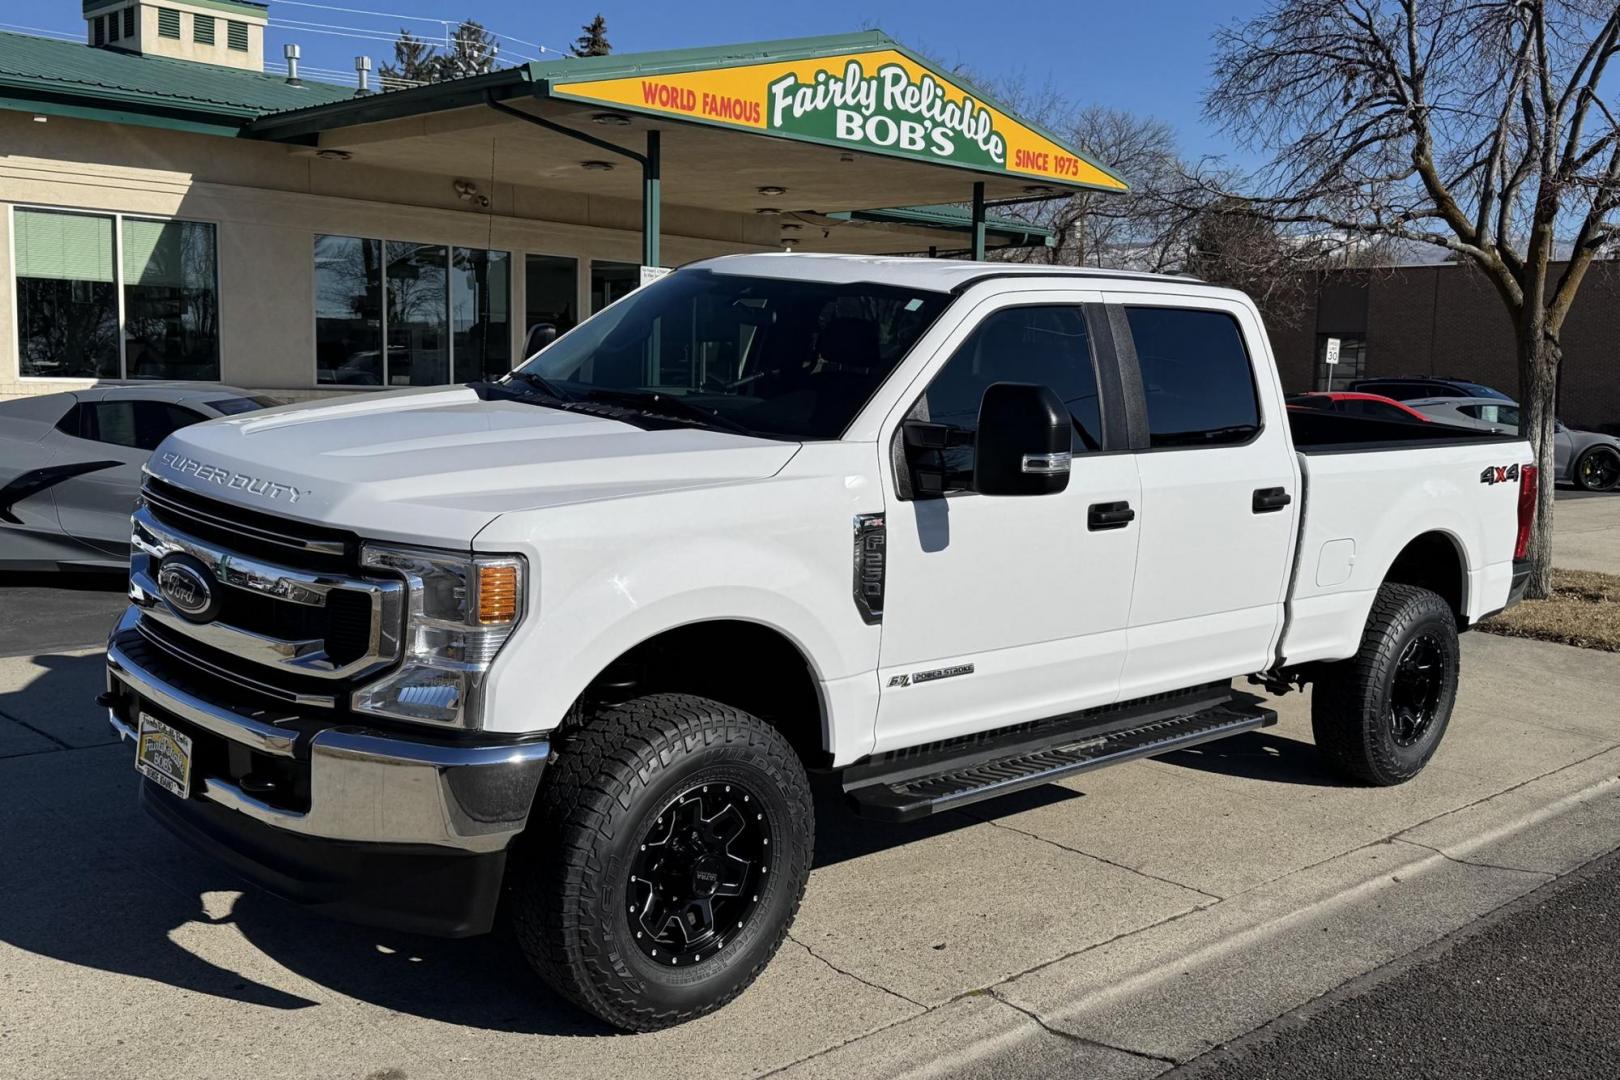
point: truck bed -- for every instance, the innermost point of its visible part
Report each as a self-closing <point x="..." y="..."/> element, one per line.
<point x="1317" y="432"/>
<point x="1371" y="490"/>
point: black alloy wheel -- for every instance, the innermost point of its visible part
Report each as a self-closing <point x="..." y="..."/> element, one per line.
<point x="694" y="882"/>
<point x="1379" y="716"/>
<point x="1415" y="692"/>
<point x="665" y="858"/>
<point x="1598" y="469"/>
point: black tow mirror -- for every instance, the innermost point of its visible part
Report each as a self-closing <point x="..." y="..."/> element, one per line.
<point x="1024" y="441"/>
<point x="540" y="335"/>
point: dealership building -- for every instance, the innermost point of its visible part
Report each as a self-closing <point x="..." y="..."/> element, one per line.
<point x="169" y="209"/>
<point x="1447" y="319"/>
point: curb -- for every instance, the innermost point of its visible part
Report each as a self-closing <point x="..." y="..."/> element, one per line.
<point x="1147" y="1002"/>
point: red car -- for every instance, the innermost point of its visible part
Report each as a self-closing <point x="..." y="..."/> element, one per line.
<point x="1353" y="404"/>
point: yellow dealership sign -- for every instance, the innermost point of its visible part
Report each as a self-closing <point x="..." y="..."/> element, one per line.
<point x="880" y="101"/>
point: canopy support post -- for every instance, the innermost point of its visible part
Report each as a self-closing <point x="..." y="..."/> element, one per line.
<point x="650" y="196"/>
<point x="978" y="221"/>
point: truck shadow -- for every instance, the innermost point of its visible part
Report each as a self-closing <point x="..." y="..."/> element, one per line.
<point x="1259" y="755"/>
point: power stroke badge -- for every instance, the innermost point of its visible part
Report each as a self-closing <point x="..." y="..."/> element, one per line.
<point x="932" y="675"/>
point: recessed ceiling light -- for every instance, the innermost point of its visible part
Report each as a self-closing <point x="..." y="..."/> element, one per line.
<point x="1038" y="189"/>
<point x="596" y="166"/>
<point x="40" y="119"/>
<point x="791" y="227"/>
<point x="334" y="155"/>
<point x="769" y="211"/>
<point x="611" y="119"/>
<point x="772" y="189"/>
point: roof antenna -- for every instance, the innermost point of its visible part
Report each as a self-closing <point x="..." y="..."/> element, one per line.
<point x="290" y="51"/>
<point x="362" y="71"/>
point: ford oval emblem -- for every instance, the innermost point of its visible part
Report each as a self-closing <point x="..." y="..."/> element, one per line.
<point x="186" y="588"/>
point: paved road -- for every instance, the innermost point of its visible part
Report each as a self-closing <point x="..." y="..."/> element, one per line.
<point x="41" y="613"/>
<point x="1534" y="991"/>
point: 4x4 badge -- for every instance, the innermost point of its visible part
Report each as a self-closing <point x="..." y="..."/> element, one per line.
<point x="1499" y="474"/>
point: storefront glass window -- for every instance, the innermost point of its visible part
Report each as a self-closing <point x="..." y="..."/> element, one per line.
<point x="171" y="300"/>
<point x="446" y="312"/>
<point x="611" y="280"/>
<point x="418" y="315"/>
<point x="348" y="310"/>
<point x="551" y="300"/>
<point x="480" y="313"/>
<point x="67" y="299"/>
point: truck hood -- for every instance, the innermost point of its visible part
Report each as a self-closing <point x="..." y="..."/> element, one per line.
<point x="435" y="465"/>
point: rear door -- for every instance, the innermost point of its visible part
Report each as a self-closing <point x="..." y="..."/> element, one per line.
<point x="1005" y="609"/>
<point x="1219" y="490"/>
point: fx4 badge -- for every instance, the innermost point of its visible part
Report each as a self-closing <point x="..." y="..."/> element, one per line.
<point x="1499" y="474"/>
<point x="930" y="676"/>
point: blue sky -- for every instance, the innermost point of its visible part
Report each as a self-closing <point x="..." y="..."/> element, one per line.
<point x="1148" y="56"/>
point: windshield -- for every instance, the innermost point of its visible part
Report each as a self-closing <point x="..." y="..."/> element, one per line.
<point x="773" y="356"/>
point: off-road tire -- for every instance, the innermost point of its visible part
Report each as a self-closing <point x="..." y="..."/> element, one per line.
<point x="1578" y="472"/>
<point x="1351" y="714"/>
<point x="568" y="883"/>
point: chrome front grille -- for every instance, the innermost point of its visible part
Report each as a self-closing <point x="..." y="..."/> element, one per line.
<point x="250" y="532"/>
<point x="294" y="633"/>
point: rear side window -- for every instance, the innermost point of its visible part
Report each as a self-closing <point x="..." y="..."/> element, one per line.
<point x="1492" y="413"/>
<point x="231" y="406"/>
<point x="140" y="425"/>
<point x="1046" y="345"/>
<point x="1196" y="377"/>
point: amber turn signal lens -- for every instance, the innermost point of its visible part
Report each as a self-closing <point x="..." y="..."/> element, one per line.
<point x="497" y="594"/>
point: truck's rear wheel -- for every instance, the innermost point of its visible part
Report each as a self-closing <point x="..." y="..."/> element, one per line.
<point x="665" y="860"/>
<point x="1379" y="716"/>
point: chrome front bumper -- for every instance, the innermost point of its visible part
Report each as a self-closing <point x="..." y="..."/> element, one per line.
<point x="365" y="785"/>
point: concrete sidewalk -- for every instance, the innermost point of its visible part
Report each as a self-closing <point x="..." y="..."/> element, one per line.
<point x="1112" y="925"/>
<point x="1586" y="533"/>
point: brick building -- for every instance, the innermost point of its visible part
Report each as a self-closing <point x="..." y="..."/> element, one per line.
<point x="1446" y="319"/>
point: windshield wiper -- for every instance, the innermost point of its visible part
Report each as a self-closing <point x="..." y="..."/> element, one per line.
<point x="655" y="403"/>
<point x="540" y="384"/>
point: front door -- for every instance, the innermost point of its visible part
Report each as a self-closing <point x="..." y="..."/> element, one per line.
<point x="1219" y="495"/>
<point x="1005" y="609"/>
<point x="95" y="507"/>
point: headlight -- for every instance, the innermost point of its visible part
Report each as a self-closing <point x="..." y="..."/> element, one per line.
<point x="460" y="611"/>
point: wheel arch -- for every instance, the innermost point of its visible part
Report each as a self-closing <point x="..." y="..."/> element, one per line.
<point x="1435" y="560"/>
<point x="746" y="663"/>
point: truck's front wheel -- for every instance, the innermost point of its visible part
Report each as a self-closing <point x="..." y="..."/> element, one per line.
<point x="665" y="860"/>
<point x="1378" y="717"/>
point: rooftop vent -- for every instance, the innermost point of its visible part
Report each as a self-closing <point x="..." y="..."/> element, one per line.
<point x="229" y="33"/>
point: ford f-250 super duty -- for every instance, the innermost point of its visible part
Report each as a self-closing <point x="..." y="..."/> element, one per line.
<point x="568" y="643"/>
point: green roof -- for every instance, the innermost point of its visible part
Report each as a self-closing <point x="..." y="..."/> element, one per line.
<point x="73" y="79"/>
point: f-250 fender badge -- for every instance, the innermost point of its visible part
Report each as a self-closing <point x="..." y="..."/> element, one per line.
<point x="931" y="676"/>
<point x="1499" y="474"/>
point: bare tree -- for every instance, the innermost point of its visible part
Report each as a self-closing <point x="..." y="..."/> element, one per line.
<point x="1142" y="228"/>
<point x="1480" y="126"/>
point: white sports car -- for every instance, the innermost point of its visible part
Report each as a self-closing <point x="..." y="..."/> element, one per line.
<point x="70" y="466"/>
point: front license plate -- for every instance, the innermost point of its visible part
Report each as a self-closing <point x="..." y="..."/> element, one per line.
<point x="163" y="756"/>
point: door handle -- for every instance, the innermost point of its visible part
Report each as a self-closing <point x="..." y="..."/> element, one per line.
<point x="1268" y="499"/>
<point x="1114" y="515"/>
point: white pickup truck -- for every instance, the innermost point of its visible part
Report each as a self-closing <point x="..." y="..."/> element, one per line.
<point x="569" y="643"/>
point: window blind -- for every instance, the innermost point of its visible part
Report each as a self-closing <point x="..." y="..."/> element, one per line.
<point x="64" y="247"/>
